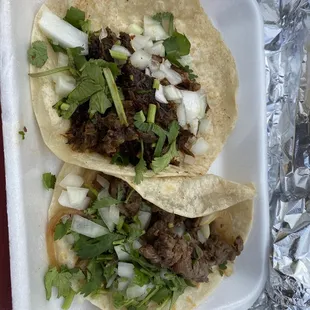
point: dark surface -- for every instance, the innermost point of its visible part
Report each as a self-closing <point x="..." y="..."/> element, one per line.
<point x="5" y="282"/>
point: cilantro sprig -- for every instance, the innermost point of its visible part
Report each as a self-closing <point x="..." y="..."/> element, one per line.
<point x="37" y="54"/>
<point x="49" y="180"/>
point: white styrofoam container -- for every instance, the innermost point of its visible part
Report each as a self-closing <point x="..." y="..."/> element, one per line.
<point x="243" y="159"/>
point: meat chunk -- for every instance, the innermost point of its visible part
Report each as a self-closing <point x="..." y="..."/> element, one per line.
<point x="126" y="41"/>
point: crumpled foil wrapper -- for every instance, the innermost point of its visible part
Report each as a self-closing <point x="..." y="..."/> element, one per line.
<point x="287" y="47"/>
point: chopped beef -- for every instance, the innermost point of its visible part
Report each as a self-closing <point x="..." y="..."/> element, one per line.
<point x="133" y="205"/>
<point x="112" y="141"/>
<point x="191" y="259"/>
<point x="183" y="140"/>
<point x="186" y="84"/>
<point x="166" y="113"/>
<point x="157" y="58"/>
<point x="118" y="187"/>
<point x="126" y="41"/>
<point x="100" y="49"/>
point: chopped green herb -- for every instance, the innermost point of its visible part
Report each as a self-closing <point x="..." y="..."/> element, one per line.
<point x="140" y="278"/>
<point x="37" y="54"/>
<point x="176" y="46"/>
<point x="120" y="160"/>
<point x="115" y="96"/>
<point x="56" y="47"/>
<point x="87" y="248"/>
<point x="140" y="168"/>
<point x="222" y="268"/>
<point x="190" y="72"/>
<point x="167" y="21"/>
<point x="92" y="190"/>
<point x="109" y="270"/>
<point x="173" y="133"/>
<point x="160" y="163"/>
<point x="75" y="17"/>
<point x="62" y="229"/>
<point x="49" y="278"/>
<point x="140" y="117"/>
<point x="76" y="60"/>
<point x="68" y="300"/>
<point x="162" y="295"/>
<point x="99" y="102"/>
<point x="151" y="113"/>
<point x="104" y="64"/>
<point x="22" y="133"/>
<point x="49" y="72"/>
<point x="49" y="180"/>
<point x="85" y="26"/>
<point x="105" y="202"/>
<point x="118" y="55"/>
<point x="156" y="84"/>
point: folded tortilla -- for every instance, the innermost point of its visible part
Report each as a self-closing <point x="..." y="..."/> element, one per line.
<point x="212" y="61"/>
<point x="239" y="208"/>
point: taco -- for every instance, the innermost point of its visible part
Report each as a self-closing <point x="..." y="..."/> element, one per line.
<point x="118" y="250"/>
<point x="150" y="93"/>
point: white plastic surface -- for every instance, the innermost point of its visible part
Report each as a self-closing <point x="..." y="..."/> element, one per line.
<point x="243" y="159"/>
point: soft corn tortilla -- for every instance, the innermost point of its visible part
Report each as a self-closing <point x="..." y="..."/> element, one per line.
<point x="212" y="62"/>
<point x="240" y="212"/>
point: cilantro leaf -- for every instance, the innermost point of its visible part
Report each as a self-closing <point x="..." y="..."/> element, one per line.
<point x="109" y="270"/>
<point x="120" y="160"/>
<point x="85" y="25"/>
<point x="162" y="295"/>
<point x="22" y="133"/>
<point x="190" y="72"/>
<point x="87" y="248"/>
<point x="37" y="54"/>
<point x="120" y="301"/>
<point x="160" y="163"/>
<point x="173" y="131"/>
<point x="105" y="202"/>
<point x="95" y="278"/>
<point x="167" y="21"/>
<point x="49" y="278"/>
<point x="140" y="168"/>
<point x="105" y="64"/>
<point x="222" y="268"/>
<point x="140" y="278"/>
<point x="68" y="300"/>
<point x="99" y="102"/>
<point x="74" y="17"/>
<point x="56" y="47"/>
<point x="62" y="229"/>
<point x="49" y="180"/>
<point x="76" y="60"/>
<point x="176" y="46"/>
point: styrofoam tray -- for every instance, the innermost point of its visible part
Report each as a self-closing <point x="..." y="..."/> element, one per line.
<point x="243" y="158"/>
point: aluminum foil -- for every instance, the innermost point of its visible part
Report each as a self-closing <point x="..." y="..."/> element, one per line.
<point x="287" y="46"/>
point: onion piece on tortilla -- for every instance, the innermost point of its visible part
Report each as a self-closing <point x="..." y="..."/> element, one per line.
<point x="87" y="228"/>
<point x="204" y="126"/>
<point x="154" y="29"/>
<point x="172" y="93"/>
<point x="140" y="42"/>
<point x="71" y="179"/>
<point x="62" y="32"/>
<point x="125" y="270"/>
<point x="140" y="59"/>
<point x="77" y="196"/>
<point x="159" y="95"/>
<point x="122" y="255"/>
<point x="200" y="147"/>
<point x="135" y="29"/>
<point x="121" y="49"/>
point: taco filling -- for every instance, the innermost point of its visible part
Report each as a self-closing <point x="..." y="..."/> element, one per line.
<point x="107" y="239"/>
<point x="131" y="96"/>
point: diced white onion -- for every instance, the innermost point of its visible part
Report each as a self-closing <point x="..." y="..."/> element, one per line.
<point x="172" y="76"/>
<point x="140" y="59"/>
<point x="204" y="127"/>
<point x="111" y="280"/>
<point x="185" y="60"/>
<point x="200" y="147"/>
<point x="148" y="72"/>
<point x="190" y="160"/>
<point x="154" y="65"/>
<point x="69" y="239"/>
<point x="103" y="193"/>
<point x="77" y="196"/>
<point x="159" y="95"/>
<point x="159" y="75"/>
<point x="102" y="181"/>
<point x="63" y="60"/>
<point x="179" y="230"/>
<point x="122" y="284"/>
<point x="87" y="228"/>
<point x="62" y="32"/>
<point x="64" y="84"/>
<point x="140" y="42"/>
<point x="181" y="115"/>
<point x="103" y="34"/>
<point x="136" y="245"/>
<point x="154" y="29"/>
<point x="135" y="291"/>
<point x="192" y="104"/>
<point x="167" y="63"/>
<point x="106" y="217"/>
<point x="203" y="106"/>
<point x="72" y="180"/>
<point x="114" y="214"/>
<point x="144" y="218"/>
<point x="64" y="199"/>
<point x="125" y="270"/>
<point x="201" y="237"/>
<point x="121" y="49"/>
<point x="205" y="229"/>
<point x="85" y="203"/>
<point x="157" y="49"/>
<point x="121" y="253"/>
<point x="194" y="126"/>
<point x="172" y="93"/>
<point x="135" y="29"/>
